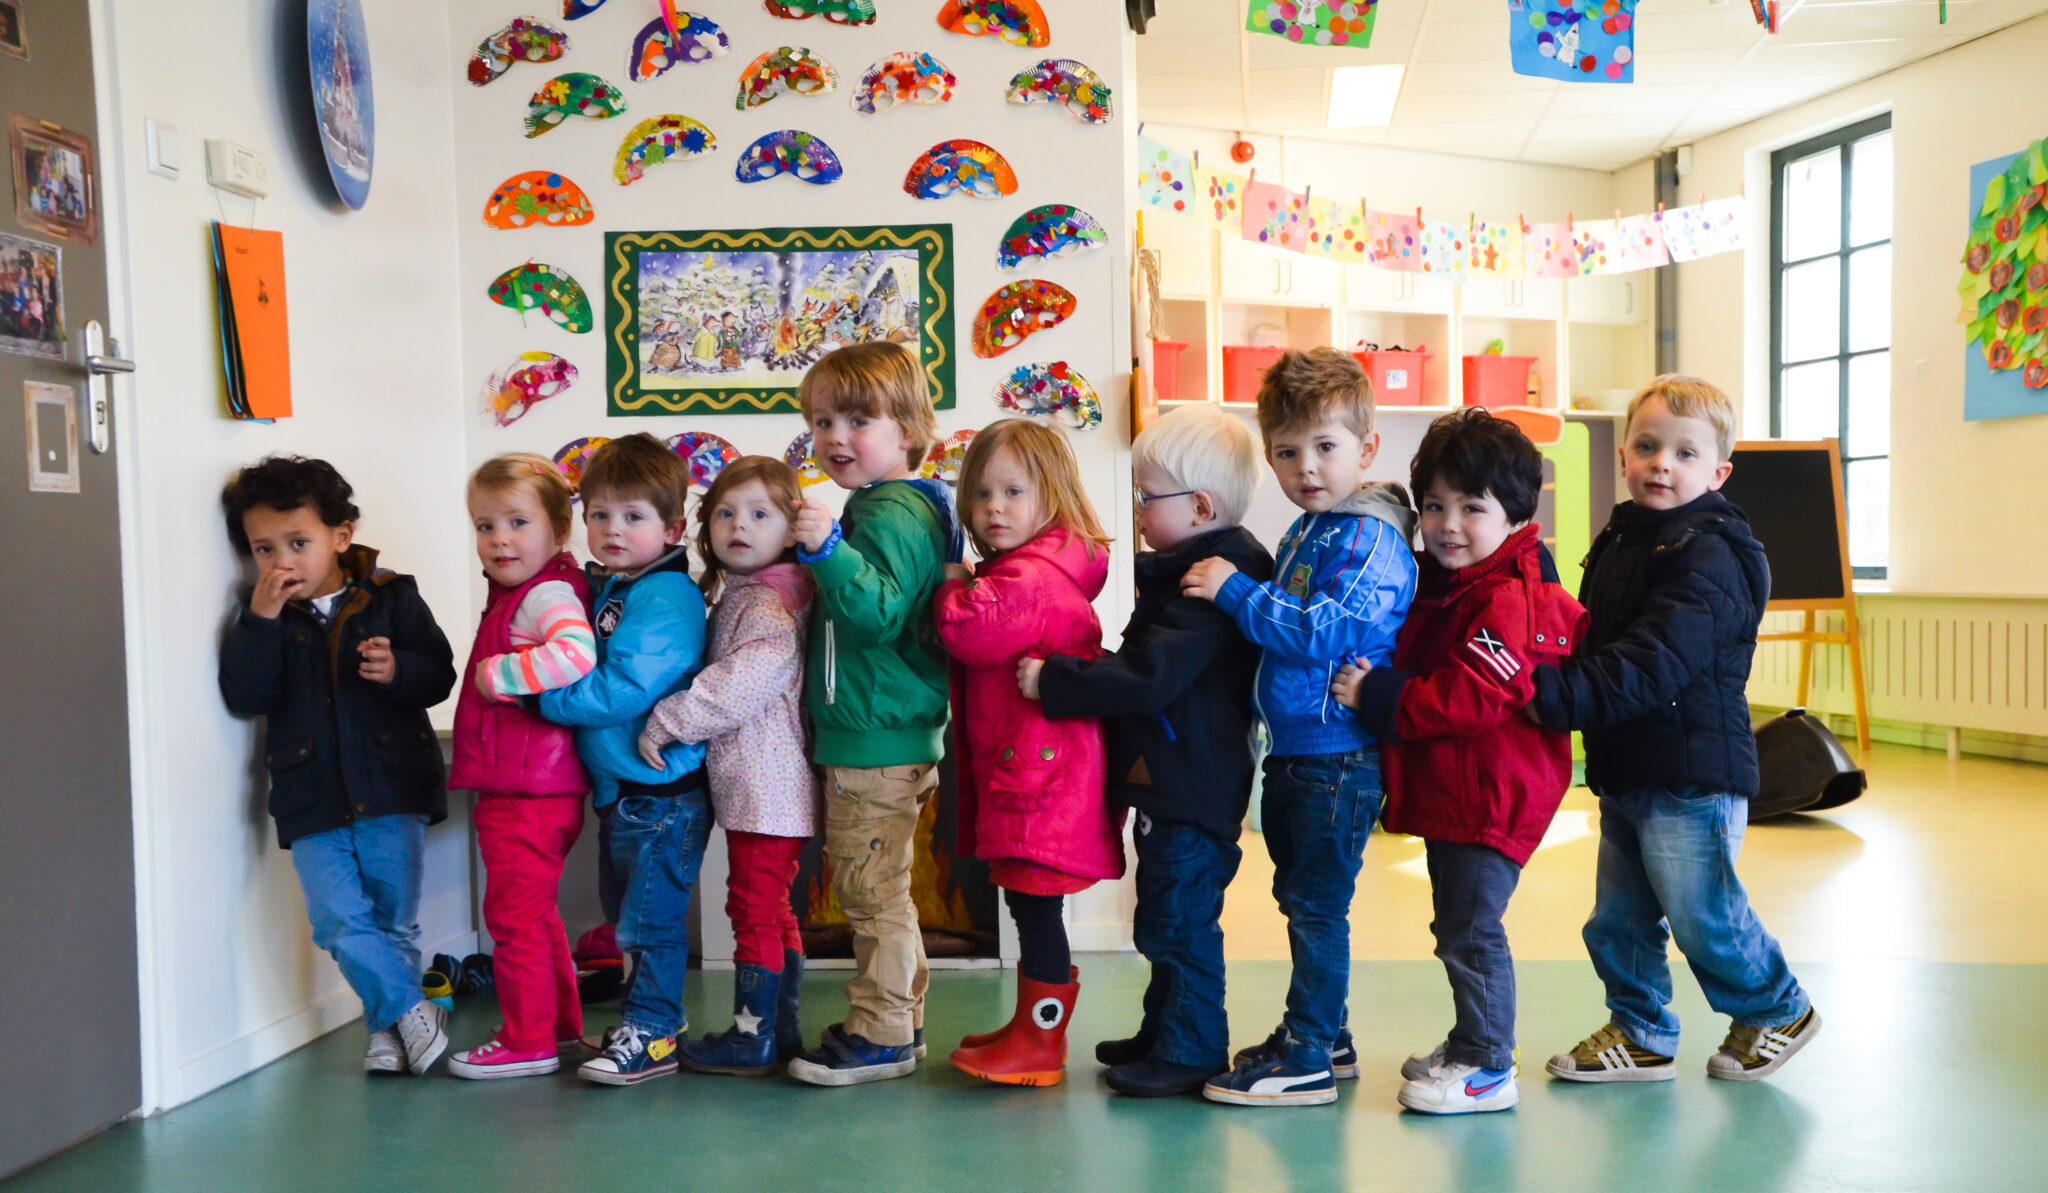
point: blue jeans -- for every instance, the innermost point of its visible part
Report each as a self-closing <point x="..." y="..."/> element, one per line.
<point x="1470" y="886"/>
<point x="1667" y="870"/>
<point x="1318" y="811"/>
<point x="362" y="887"/>
<point x="1182" y="872"/>
<point x="649" y="851"/>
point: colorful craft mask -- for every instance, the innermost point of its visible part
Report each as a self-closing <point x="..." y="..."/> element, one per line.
<point x="654" y="50"/>
<point x="1056" y="391"/>
<point x="800" y="457"/>
<point x="664" y="138"/>
<point x="705" y="453"/>
<point x="1582" y="41"/>
<point x="545" y="288"/>
<point x="839" y="12"/>
<point x="1054" y="230"/>
<point x="905" y="77"/>
<point x="575" y="9"/>
<point x="526" y="39"/>
<point x="538" y="197"/>
<point x="573" y="456"/>
<point x="961" y="165"/>
<point x="1019" y="22"/>
<point x="1016" y="311"/>
<point x="944" y="461"/>
<point x="792" y="70"/>
<point x="1065" y="82"/>
<point x="576" y="94"/>
<point x="789" y="151"/>
<point x="519" y="383"/>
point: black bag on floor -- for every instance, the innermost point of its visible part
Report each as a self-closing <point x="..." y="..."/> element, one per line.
<point x="1802" y="768"/>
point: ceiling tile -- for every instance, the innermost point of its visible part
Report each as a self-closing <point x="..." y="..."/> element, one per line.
<point x="1553" y="130"/>
<point x="1431" y="78"/>
<point x="1843" y="62"/>
<point x="1196" y="16"/>
<point x="1438" y="107"/>
<point x="1183" y="90"/>
<point x="1273" y="53"/>
<point x="1464" y="41"/>
<point x="1685" y="66"/>
<point x="1184" y="55"/>
<point x="1592" y="155"/>
<point x="1861" y="22"/>
<point x="1709" y="29"/>
<point x="1448" y="137"/>
<point x="1636" y="99"/>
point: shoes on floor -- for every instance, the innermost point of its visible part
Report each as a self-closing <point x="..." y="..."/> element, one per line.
<point x="844" y="1058"/>
<point x="1151" y="1077"/>
<point x="1286" y="1073"/>
<point x="1752" y="1053"/>
<point x="630" y="1057"/>
<point x="1461" y="1089"/>
<point x="494" y="1060"/>
<point x="424" y="1030"/>
<point x="1419" y="1066"/>
<point x="386" y="1054"/>
<point x="1343" y="1051"/>
<point x="1609" y="1055"/>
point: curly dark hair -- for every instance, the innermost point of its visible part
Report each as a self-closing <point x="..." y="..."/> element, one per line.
<point x="1473" y="452"/>
<point x="286" y="483"/>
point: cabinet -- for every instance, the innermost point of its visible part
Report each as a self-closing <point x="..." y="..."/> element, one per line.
<point x="1612" y="298"/>
<point x="1255" y="273"/>
<point x="1514" y="298"/>
<point x="1184" y="255"/>
<point x="1386" y="290"/>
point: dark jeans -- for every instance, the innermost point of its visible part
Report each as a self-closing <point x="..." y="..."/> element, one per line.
<point x="1318" y="811"/>
<point x="1042" y="952"/>
<point x="649" y="851"/>
<point x="1470" y="886"/>
<point x="1182" y="872"/>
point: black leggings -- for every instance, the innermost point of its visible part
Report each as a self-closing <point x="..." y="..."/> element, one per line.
<point x="1041" y="936"/>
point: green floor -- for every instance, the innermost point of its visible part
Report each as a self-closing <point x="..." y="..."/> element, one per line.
<point x="1926" y="1077"/>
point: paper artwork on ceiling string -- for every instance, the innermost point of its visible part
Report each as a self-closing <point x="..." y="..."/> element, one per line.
<point x="2004" y="287"/>
<point x="522" y="382"/>
<point x="1717" y="226"/>
<point x="798" y="455"/>
<point x="655" y="50"/>
<point x="1548" y="252"/>
<point x="792" y="151"/>
<point x="946" y="459"/>
<point x="538" y="197"/>
<point x="1394" y="241"/>
<point x="1055" y="391"/>
<point x="1067" y="83"/>
<point x="1445" y="253"/>
<point x="1639" y="244"/>
<point x="573" y="10"/>
<point x="1019" y="22"/>
<point x="1221" y="196"/>
<point x="574" y="456"/>
<point x="545" y="288"/>
<point x="1016" y="312"/>
<point x="839" y="12"/>
<point x="1593" y="243"/>
<point x="905" y="77"/>
<point x="965" y="166"/>
<point x="790" y="70"/>
<point x="705" y="453"/>
<point x="661" y="139"/>
<point x="1581" y="41"/>
<point x="1164" y="176"/>
<point x="1055" y="230"/>
<point x="1340" y="232"/>
<point x="1315" y="22"/>
<point x="576" y="94"/>
<point x="1275" y="217"/>
<point x="1496" y="248"/>
<point x="526" y="39"/>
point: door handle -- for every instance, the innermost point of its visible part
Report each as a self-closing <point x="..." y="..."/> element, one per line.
<point x="102" y="360"/>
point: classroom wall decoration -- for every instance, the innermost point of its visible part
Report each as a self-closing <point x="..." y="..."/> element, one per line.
<point x="1315" y="22"/>
<point x="1221" y="196"/>
<point x="1276" y="216"/>
<point x="1067" y="83"/>
<point x="790" y="70"/>
<point x="538" y="197"/>
<point x="525" y="39"/>
<point x="657" y="140"/>
<point x="1716" y="226"/>
<point x="545" y="288"/>
<point x="338" y="52"/>
<point x="576" y="94"/>
<point x="1393" y="240"/>
<point x="705" y="453"/>
<point x="1593" y="243"/>
<point x="574" y="9"/>
<point x="1054" y="230"/>
<point x="2004" y="288"/>
<point x="1055" y="391"/>
<point x="1445" y="253"/>
<point x="905" y="77"/>
<point x="55" y="184"/>
<point x="1548" y="251"/>
<point x="1496" y="248"/>
<point x="1639" y="244"/>
<point x="960" y="166"/>
<point x="1164" y="176"/>
<point x="523" y="382"/>
<point x="655" y="49"/>
<point x="1017" y="311"/>
<point x="792" y="151"/>
<point x="1019" y="22"/>
<point x="573" y="456"/>
<point x="839" y="12"/>
<point x="947" y="457"/>
<point x="1582" y="41"/>
<point x="800" y="457"/>
<point x="726" y="322"/>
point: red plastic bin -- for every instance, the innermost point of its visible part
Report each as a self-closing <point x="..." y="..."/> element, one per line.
<point x="1241" y="369"/>
<point x="1166" y="369"/>
<point x="1396" y="376"/>
<point x="1497" y="380"/>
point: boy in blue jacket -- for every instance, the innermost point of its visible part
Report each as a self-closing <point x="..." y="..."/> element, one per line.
<point x="1340" y="590"/>
<point x="652" y="821"/>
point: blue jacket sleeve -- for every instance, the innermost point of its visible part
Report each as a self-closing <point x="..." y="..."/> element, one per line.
<point x="660" y="639"/>
<point x="1359" y="592"/>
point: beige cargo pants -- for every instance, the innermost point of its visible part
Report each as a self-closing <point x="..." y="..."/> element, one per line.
<point x="870" y="829"/>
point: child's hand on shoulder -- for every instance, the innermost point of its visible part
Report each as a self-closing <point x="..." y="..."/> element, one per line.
<point x="1027" y="677"/>
<point x="379" y="666"/>
<point x="273" y="589"/>
<point x="813" y="524"/>
<point x="1206" y="578"/>
<point x="650" y="748"/>
<point x="1349" y="678"/>
<point x="960" y="572"/>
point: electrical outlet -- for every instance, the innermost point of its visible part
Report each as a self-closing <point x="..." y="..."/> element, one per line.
<point x="237" y="169"/>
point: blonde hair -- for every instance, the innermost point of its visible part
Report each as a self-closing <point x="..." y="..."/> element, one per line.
<point x="783" y="488"/>
<point x="1690" y="397"/>
<point x="1048" y="459"/>
<point x="638" y="467"/>
<point x="513" y="469"/>
<point x="1205" y="449"/>
<point x="878" y="380"/>
<point x="1303" y="388"/>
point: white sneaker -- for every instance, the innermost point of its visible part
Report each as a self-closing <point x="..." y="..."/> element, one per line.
<point x="1461" y="1089"/>
<point x="1422" y="1064"/>
<point x="386" y="1054"/>
<point x="425" y="1032"/>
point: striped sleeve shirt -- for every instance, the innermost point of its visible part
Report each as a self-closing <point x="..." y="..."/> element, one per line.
<point x="552" y="644"/>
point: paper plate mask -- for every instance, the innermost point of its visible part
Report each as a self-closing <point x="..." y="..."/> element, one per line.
<point x="962" y="165"/>
<point x="654" y="51"/>
<point x="547" y="289"/>
<point x="839" y="12"/>
<point x="1056" y="391"/>
<point x="1055" y="230"/>
<point x="1016" y="311"/>
<point x="905" y="77"/>
<point x="526" y="39"/>
<point x="944" y="461"/>
<point x="521" y="382"/>
<point x="789" y="151"/>
<point x="1067" y="83"/>
<point x="538" y="197"/>
<point x="577" y="94"/>
<point x="573" y="9"/>
<point x="791" y="70"/>
<point x="800" y="457"/>
<point x="705" y="453"/>
<point x="1019" y="22"/>
<point x="574" y="455"/>
<point x="664" y="138"/>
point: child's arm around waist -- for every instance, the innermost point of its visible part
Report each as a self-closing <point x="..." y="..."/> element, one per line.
<point x="567" y="651"/>
<point x="660" y="636"/>
<point x="872" y="580"/>
<point x="423" y="663"/>
<point x="1486" y="682"/>
<point x="761" y="661"/>
<point x="1358" y="592"/>
<point x="1149" y="671"/>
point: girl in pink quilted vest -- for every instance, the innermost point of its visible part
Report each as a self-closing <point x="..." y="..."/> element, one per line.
<point x="747" y="704"/>
<point x="530" y="787"/>
<point x="1031" y="790"/>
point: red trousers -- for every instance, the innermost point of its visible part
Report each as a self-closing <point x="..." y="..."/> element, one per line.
<point x="524" y="841"/>
<point x="757" y="897"/>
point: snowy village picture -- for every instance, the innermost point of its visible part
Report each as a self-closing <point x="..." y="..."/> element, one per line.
<point x="338" y="50"/>
<point x="727" y="322"/>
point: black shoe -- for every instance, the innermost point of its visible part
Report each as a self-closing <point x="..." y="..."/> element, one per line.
<point x="1156" y="1078"/>
<point x="1124" y="1052"/>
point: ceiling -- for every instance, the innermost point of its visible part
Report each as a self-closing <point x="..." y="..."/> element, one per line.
<point x="1701" y="66"/>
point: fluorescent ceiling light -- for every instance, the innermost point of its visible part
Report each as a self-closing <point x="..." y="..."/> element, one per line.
<point x="1363" y="95"/>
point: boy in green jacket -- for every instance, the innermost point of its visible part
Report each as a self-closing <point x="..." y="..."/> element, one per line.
<point x="875" y="686"/>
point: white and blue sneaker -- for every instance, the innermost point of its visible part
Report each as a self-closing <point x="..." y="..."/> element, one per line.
<point x="1277" y="1075"/>
<point x="1343" y="1053"/>
<point x="1461" y="1089"/>
<point x="1422" y="1064"/>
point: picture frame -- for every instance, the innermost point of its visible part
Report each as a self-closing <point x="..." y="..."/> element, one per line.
<point x="13" y="35"/>
<point x="31" y="298"/>
<point x="55" y="185"/>
<point x="727" y="321"/>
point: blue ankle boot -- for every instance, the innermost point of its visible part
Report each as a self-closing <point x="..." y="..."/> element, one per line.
<point x="789" y="1034"/>
<point x="748" y="1049"/>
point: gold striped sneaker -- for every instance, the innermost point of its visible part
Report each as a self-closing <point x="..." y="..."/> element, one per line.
<point x="1752" y="1053"/>
<point x="1609" y="1055"/>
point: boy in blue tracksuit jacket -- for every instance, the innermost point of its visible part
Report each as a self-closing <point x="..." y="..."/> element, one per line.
<point x="1340" y="590"/>
<point x="652" y="822"/>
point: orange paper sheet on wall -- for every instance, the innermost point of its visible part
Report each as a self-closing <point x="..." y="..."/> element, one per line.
<point x="254" y="338"/>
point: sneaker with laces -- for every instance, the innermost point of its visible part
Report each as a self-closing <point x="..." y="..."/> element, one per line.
<point x="1751" y="1053"/>
<point x="1343" y="1052"/>
<point x="1461" y="1089"/>
<point x="494" y="1060"/>
<point x="1422" y="1064"/>
<point x="424" y="1031"/>
<point x="630" y="1057"/>
<point x="386" y="1054"/>
<point x="1609" y="1055"/>
<point x="1291" y="1074"/>
<point x="844" y="1058"/>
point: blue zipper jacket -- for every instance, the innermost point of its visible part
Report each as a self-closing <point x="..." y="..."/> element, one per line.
<point x="650" y="645"/>
<point x="1340" y="591"/>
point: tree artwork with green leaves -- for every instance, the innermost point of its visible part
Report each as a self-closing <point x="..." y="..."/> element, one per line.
<point x="2005" y="269"/>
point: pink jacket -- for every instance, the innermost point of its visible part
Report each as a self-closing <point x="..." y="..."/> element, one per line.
<point x="501" y="748"/>
<point x="747" y="703"/>
<point x="1030" y="788"/>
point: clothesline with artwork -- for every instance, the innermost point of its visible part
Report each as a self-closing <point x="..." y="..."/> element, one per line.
<point x="1350" y="230"/>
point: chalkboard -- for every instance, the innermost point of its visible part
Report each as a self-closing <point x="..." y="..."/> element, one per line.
<point x="1789" y="495"/>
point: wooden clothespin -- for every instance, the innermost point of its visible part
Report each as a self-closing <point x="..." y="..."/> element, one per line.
<point x="1198" y="159"/>
<point x="1141" y="124"/>
<point x="1418" y="217"/>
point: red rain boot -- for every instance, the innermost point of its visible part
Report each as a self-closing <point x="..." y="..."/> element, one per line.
<point x="1034" y="1052"/>
<point x="979" y="1039"/>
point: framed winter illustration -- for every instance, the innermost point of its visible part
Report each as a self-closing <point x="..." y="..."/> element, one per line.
<point x="727" y="322"/>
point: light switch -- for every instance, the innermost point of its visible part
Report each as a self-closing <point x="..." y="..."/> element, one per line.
<point x="163" y="147"/>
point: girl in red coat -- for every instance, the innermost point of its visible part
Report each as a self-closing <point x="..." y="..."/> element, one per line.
<point x="1031" y="789"/>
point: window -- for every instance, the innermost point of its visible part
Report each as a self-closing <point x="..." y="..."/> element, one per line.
<point x="1831" y="316"/>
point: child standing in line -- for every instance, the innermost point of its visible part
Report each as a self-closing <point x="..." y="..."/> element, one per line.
<point x="1342" y="585"/>
<point x="342" y="659"/>
<point x="1031" y="789"/>
<point x="875" y="686"/>
<point x="1176" y="707"/>
<point x="535" y="635"/>
<point x="1676" y="585"/>
<point x="1465" y="771"/>
<point x="652" y="820"/>
<point x="747" y="704"/>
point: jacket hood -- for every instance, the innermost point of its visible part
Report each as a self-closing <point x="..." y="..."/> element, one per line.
<point x="940" y="494"/>
<point x="1384" y="500"/>
<point x="790" y="582"/>
<point x="1081" y="561"/>
<point x="1709" y="513"/>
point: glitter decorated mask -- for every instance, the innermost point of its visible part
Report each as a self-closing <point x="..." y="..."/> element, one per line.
<point x="526" y="39"/>
<point x="1067" y="83"/>
<point x="905" y="77"/>
<point x="577" y="94"/>
<point x="698" y="39"/>
<point x="961" y="165"/>
<point x="1055" y="391"/>
<point x="791" y="70"/>
<point x="572" y="457"/>
<point x="839" y="12"/>
<point x="705" y="453"/>
<point x="945" y="460"/>
<point x="1018" y="310"/>
<point x="1019" y="22"/>
<point x="789" y="151"/>
<point x="520" y="383"/>
<point x="661" y="139"/>
<point x="538" y="197"/>
<point x="800" y="457"/>
<point x="1054" y="230"/>
<point x="545" y="288"/>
